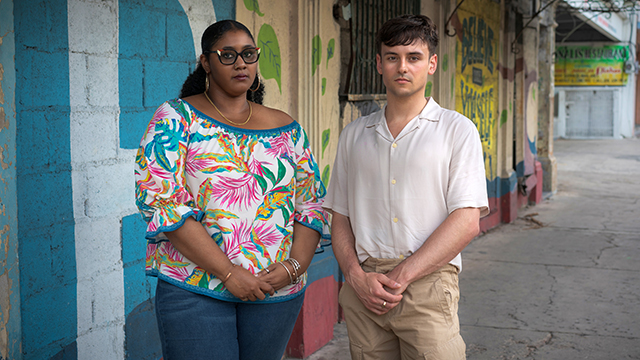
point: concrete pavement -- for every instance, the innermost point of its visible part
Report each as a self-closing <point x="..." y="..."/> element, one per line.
<point x="563" y="280"/>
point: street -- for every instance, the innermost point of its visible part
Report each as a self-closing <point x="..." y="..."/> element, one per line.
<point x="563" y="280"/>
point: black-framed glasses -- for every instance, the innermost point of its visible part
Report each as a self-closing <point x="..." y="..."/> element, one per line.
<point x="230" y="56"/>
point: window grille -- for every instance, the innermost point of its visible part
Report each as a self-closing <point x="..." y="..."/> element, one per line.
<point x="367" y="17"/>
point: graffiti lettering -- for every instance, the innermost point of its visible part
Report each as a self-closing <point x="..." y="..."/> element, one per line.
<point x="478" y="106"/>
<point x="477" y="43"/>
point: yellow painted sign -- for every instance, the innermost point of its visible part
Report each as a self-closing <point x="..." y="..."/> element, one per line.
<point x="476" y="81"/>
<point x="590" y="65"/>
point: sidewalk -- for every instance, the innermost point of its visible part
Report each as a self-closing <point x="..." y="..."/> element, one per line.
<point x="562" y="281"/>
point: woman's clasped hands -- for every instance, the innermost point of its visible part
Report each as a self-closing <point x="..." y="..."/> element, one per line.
<point x="246" y="286"/>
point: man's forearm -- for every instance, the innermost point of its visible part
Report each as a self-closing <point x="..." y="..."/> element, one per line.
<point x="447" y="241"/>
<point x="343" y="242"/>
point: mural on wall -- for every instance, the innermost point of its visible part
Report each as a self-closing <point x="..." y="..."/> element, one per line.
<point x="476" y="75"/>
<point x="591" y="65"/>
<point x="253" y="5"/>
<point x="270" y="62"/>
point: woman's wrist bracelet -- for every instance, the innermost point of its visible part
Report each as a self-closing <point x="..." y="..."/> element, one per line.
<point x="228" y="275"/>
<point x="288" y="272"/>
<point x="296" y="267"/>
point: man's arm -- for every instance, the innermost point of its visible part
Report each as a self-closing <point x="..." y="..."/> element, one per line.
<point x="447" y="241"/>
<point x="369" y="287"/>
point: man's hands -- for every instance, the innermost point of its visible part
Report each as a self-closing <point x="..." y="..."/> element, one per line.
<point x="377" y="292"/>
<point x="246" y="286"/>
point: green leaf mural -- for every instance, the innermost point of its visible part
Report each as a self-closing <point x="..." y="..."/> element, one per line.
<point x="445" y="62"/>
<point x="326" y="174"/>
<point x="503" y="117"/>
<point x="270" y="61"/>
<point x="316" y="57"/>
<point x="428" y="88"/>
<point x="324" y="85"/>
<point x="252" y="5"/>
<point x="326" y="135"/>
<point x="453" y="78"/>
<point x="331" y="48"/>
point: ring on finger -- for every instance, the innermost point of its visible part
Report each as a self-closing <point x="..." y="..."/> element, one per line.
<point x="267" y="270"/>
<point x="384" y="304"/>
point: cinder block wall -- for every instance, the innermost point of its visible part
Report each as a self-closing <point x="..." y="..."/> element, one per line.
<point x="88" y="76"/>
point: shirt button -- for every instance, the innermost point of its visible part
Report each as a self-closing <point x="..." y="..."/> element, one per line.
<point x="394" y="145"/>
<point x="401" y="257"/>
<point x="395" y="220"/>
<point x="393" y="181"/>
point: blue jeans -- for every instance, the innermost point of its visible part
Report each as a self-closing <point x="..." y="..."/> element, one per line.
<point x="194" y="326"/>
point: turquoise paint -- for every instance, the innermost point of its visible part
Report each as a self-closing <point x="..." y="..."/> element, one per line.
<point x="45" y="210"/>
<point x="224" y="9"/>
<point x="9" y="314"/>
<point x="499" y="187"/>
<point x="156" y="55"/>
<point x="153" y="63"/>
<point x="323" y="264"/>
<point x="532" y="147"/>
<point x="141" y="331"/>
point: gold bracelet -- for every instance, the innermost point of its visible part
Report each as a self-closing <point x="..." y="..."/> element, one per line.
<point x="228" y="275"/>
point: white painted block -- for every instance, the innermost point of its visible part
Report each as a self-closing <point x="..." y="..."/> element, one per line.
<point x="80" y="189"/>
<point x="78" y="93"/>
<point x="94" y="136"/>
<point x="110" y="190"/>
<point x="105" y="343"/>
<point x="98" y="246"/>
<point x="108" y="298"/>
<point x="101" y="71"/>
<point x="92" y="25"/>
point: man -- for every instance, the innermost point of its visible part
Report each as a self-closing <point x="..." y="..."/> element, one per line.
<point x="407" y="191"/>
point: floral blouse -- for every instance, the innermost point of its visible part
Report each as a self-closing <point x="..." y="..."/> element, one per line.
<point x="246" y="187"/>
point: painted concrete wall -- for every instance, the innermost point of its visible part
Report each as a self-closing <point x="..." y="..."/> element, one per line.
<point x="9" y="268"/>
<point x="300" y="68"/>
<point x="87" y="77"/>
<point x="78" y="89"/>
<point x="488" y="76"/>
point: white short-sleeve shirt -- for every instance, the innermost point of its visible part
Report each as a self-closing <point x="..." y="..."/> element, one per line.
<point x="396" y="192"/>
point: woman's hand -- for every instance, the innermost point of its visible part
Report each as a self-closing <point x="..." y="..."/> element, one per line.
<point x="246" y="286"/>
<point x="276" y="276"/>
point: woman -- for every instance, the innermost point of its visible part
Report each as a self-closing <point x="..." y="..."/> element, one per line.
<point x="232" y="197"/>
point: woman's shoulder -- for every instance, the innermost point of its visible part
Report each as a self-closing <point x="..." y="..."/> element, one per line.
<point x="274" y="117"/>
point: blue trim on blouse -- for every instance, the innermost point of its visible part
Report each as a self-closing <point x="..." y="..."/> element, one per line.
<point x="322" y="236"/>
<point x="224" y="296"/>
<point x="266" y="132"/>
<point x="197" y="214"/>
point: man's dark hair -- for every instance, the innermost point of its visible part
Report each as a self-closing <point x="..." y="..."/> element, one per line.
<point x="405" y="29"/>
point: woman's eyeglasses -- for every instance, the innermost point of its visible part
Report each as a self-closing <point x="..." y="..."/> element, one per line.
<point x="230" y="56"/>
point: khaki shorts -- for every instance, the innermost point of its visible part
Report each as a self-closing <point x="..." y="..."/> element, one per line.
<point x="423" y="326"/>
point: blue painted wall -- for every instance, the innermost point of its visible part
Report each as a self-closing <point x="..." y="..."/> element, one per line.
<point x="9" y="268"/>
<point x="45" y="211"/>
<point x="156" y="56"/>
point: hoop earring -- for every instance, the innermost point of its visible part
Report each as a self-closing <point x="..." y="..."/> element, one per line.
<point x="206" y="83"/>
<point x="257" y="87"/>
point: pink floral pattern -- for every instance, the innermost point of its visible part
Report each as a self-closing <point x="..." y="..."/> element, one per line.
<point x="246" y="187"/>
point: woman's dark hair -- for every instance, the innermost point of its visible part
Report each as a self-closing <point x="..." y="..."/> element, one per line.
<point x="405" y="29"/>
<point x="195" y="83"/>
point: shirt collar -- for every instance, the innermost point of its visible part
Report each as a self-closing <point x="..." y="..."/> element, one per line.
<point x="431" y="112"/>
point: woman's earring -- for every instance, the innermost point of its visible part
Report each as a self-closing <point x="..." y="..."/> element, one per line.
<point x="206" y="83"/>
<point x="257" y="87"/>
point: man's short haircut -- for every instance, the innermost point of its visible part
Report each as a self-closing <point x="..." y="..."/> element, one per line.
<point x="405" y="29"/>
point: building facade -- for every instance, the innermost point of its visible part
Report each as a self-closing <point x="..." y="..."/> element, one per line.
<point x="80" y="80"/>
